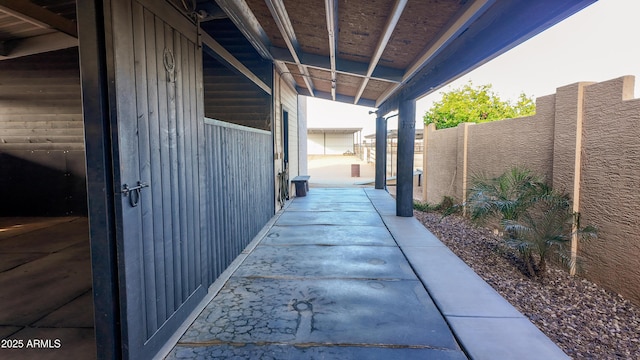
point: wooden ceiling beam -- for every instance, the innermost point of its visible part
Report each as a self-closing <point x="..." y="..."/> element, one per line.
<point x="331" y="9"/>
<point x="241" y="15"/>
<point x="389" y="27"/>
<point x="469" y="14"/>
<point x="38" y="16"/>
<point x="245" y="20"/>
<point x="346" y="67"/>
<point x="36" y="44"/>
<point x="225" y="56"/>
<point x="281" y="18"/>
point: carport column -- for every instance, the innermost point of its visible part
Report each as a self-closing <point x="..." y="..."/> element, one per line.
<point x="406" y="141"/>
<point x="381" y="152"/>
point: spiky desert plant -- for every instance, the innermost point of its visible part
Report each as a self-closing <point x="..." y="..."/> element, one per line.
<point x="545" y="229"/>
<point x="505" y="197"/>
<point x="533" y="218"/>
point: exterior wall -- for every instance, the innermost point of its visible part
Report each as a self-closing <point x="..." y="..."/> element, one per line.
<point x="338" y="144"/>
<point x="230" y="97"/>
<point x="609" y="196"/>
<point x="494" y="146"/>
<point x="315" y="144"/>
<point x="41" y="136"/>
<point x="584" y="139"/>
<point x="302" y="135"/>
<point x="440" y="170"/>
<point x="285" y="99"/>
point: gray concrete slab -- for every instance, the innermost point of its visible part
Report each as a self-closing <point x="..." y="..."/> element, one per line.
<point x="330" y="195"/>
<point x="330" y="218"/>
<point x="291" y="298"/>
<point x="500" y="338"/>
<point x="13" y="226"/>
<point x="327" y="206"/>
<point x="44" y="285"/>
<point x="76" y="314"/>
<point x="454" y="286"/>
<point x="316" y="312"/>
<point x="382" y="201"/>
<point x="407" y="231"/>
<point x="368" y="262"/>
<point x="48" y="239"/>
<point x="328" y="235"/>
<point x="8" y="330"/>
<point x="280" y="351"/>
<point x="9" y="261"/>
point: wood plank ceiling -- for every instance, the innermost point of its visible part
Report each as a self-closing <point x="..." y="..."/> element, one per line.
<point x="346" y="50"/>
<point x="364" y="52"/>
<point x="32" y="27"/>
<point x="373" y="52"/>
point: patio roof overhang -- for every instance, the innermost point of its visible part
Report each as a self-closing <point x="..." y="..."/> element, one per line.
<point x="365" y="52"/>
<point x="333" y="130"/>
<point x="378" y="52"/>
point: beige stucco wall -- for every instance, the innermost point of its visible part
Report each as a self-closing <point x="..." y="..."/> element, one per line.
<point x="497" y="146"/>
<point x="441" y="151"/>
<point x="610" y="186"/>
<point x="586" y="140"/>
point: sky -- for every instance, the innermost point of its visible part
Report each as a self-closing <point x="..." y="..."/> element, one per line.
<point x="596" y="44"/>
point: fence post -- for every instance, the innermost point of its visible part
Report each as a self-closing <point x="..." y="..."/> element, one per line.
<point x="567" y="150"/>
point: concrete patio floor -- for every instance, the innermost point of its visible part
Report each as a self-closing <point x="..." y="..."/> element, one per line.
<point x="336" y="275"/>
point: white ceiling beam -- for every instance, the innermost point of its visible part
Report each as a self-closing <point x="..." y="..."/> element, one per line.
<point x="346" y="67"/>
<point x="231" y="60"/>
<point x="281" y="18"/>
<point x="38" y="16"/>
<point x="331" y="9"/>
<point x="469" y="14"/>
<point x="390" y="26"/>
<point x="241" y="15"/>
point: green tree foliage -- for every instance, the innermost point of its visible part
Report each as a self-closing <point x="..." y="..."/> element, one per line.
<point x="476" y="104"/>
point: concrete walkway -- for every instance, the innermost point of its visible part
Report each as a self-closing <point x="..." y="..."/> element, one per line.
<point x="337" y="275"/>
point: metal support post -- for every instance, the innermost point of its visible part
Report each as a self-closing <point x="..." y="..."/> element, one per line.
<point x="381" y="152"/>
<point x="404" y="172"/>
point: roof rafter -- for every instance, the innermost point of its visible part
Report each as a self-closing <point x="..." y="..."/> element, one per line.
<point x="389" y="27"/>
<point x="222" y="54"/>
<point x="36" y="44"/>
<point x="281" y="18"/>
<point x="331" y="9"/>
<point x="346" y="67"/>
<point x="244" y="19"/>
<point x="39" y="16"/>
<point x="462" y="22"/>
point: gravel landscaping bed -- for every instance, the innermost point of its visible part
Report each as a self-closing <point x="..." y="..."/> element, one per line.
<point x="586" y="321"/>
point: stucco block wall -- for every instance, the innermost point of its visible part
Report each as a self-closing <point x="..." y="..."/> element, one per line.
<point x="610" y="185"/>
<point x="525" y="142"/>
<point x="586" y="140"/>
<point x="441" y="156"/>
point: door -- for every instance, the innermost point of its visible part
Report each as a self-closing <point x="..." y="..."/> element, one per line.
<point x="152" y="61"/>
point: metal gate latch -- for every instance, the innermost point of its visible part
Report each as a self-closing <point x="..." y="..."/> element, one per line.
<point x="134" y="197"/>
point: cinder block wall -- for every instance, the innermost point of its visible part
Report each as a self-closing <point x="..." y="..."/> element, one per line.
<point x="586" y="140"/>
<point x="610" y="185"/>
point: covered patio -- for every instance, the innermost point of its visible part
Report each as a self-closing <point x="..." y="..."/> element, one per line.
<point x="337" y="274"/>
<point x="176" y="125"/>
